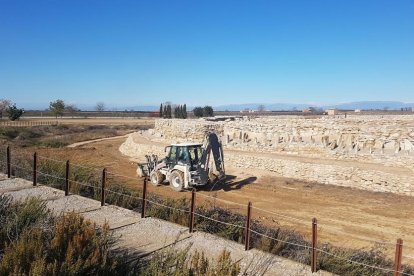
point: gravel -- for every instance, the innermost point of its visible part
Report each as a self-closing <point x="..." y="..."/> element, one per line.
<point x="115" y="216"/>
<point x="41" y="192"/>
<point x="150" y="234"/>
<point x="72" y="203"/>
<point x="13" y="183"/>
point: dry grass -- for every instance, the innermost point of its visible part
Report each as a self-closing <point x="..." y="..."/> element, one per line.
<point x="61" y="135"/>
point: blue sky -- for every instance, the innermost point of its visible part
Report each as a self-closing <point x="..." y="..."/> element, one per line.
<point x="128" y="53"/>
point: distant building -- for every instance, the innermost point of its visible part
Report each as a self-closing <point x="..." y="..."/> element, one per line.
<point x="307" y="110"/>
<point x="332" y="111"/>
<point x="247" y="111"/>
<point x="357" y="110"/>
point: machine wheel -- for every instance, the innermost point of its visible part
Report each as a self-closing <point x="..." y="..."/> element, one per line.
<point x="177" y="181"/>
<point x="157" y="178"/>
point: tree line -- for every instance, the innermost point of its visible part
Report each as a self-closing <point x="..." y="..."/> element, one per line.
<point x="206" y="111"/>
<point x="59" y="107"/>
<point x="180" y="111"/>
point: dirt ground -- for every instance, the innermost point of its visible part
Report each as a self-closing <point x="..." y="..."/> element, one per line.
<point x="346" y="217"/>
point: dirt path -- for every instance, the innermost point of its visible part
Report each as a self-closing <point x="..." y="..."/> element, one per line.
<point x="78" y="144"/>
<point x="346" y="217"/>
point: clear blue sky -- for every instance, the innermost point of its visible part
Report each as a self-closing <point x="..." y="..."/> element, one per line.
<point x="128" y="53"/>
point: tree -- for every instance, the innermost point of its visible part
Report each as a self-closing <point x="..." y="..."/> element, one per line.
<point x="57" y="107"/>
<point x="71" y="109"/>
<point x="169" y="112"/>
<point x="180" y="112"/>
<point x="4" y="104"/>
<point x="161" y="110"/>
<point x="185" y="111"/>
<point x="176" y="112"/>
<point x="13" y="112"/>
<point x="261" y="108"/>
<point x="208" y="111"/>
<point x="100" y="106"/>
<point x="198" y="111"/>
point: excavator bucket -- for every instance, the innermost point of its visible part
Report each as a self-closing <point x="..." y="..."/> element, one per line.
<point x="212" y="149"/>
<point x="143" y="170"/>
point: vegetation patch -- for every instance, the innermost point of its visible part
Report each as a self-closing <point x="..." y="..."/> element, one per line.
<point x="32" y="242"/>
<point x="60" y="135"/>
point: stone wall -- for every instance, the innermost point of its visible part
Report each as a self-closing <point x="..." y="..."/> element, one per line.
<point x="186" y="130"/>
<point x="371" y="180"/>
<point x="346" y="176"/>
<point x="380" y="139"/>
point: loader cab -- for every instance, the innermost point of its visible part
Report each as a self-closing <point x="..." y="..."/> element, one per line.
<point x="184" y="154"/>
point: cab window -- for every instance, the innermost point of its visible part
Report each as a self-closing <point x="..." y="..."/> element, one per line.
<point x="182" y="155"/>
<point x="173" y="153"/>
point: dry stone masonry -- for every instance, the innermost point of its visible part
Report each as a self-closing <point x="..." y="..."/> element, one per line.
<point x="387" y="135"/>
<point x="382" y="141"/>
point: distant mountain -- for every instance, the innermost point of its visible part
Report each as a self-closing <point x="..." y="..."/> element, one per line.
<point x="142" y="108"/>
<point x="254" y="106"/>
<point x="391" y="105"/>
<point x="365" y="105"/>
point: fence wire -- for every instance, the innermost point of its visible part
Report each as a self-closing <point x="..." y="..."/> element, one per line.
<point x="279" y="240"/>
<point x="282" y="216"/>
<point x="362" y="264"/>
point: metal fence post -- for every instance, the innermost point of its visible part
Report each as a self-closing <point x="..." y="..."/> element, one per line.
<point x="193" y="199"/>
<point x="144" y="198"/>
<point x="67" y="179"/>
<point x="34" y="169"/>
<point x="8" y="162"/>
<point x="314" y="244"/>
<point x="103" y="187"/>
<point x="398" y="257"/>
<point x="247" y="228"/>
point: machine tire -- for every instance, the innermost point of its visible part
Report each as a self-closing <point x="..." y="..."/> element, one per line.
<point x="177" y="181"/>
<point x="156" y="178"/>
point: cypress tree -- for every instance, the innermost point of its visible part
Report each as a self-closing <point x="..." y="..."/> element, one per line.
<point x="180" y="111"/>
<point x="161" y="110"/>
<point x="176" y="115"/>
<point x="185" y="111"/>
<point x="165" y="112"/>
<point x="169" y="112"/>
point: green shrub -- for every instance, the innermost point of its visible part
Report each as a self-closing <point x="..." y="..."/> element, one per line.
<point x="69" y="246"/>
<point x="15" y="218"/>
<point x="170" y="262"/>
<point x="9" y="132"/>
